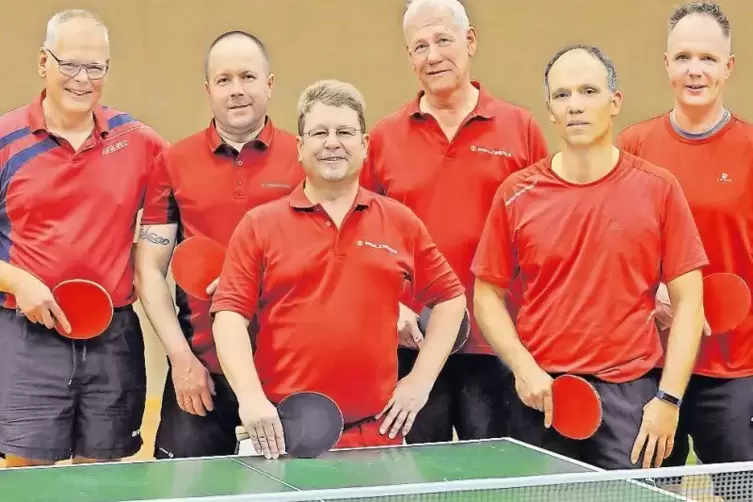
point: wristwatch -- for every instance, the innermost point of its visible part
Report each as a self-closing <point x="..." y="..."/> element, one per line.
<point x="669" y="398"/>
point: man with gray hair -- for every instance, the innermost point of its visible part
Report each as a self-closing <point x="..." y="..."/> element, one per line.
<point x="443" y="154"/>
<point x="323" y="270"/>
<point x="591" y="232"/>
<point x="74" y="174"/>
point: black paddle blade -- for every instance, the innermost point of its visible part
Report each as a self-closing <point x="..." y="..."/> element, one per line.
<point x="312" y="424"/>
<point x="463" y="332"/>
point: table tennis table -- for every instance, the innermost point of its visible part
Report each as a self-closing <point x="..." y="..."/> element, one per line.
<point x="455" y="471"/>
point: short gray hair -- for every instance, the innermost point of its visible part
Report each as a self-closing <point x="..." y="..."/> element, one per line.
<point x="331" y="93"/>
<point x="459" y="15"/>
<point x="593" y="51"/>
<point x="63" y="17"/>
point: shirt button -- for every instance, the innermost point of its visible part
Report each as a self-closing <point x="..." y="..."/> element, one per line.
<point x="240" y="162"/>
<point x="328" y="224"/>
<point x="238" y="182"/>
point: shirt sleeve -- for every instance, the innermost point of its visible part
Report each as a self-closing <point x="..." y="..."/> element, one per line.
<point x="496" y="260"/>
<point x="434" y="280"/>
<point x="240" y="279"/>
<point x="682" y="248"/>
<point x="537" y="147"/>
<point x="625" y="142"/>
<point x="369" y="176"/>
<point x="160" y="207"/>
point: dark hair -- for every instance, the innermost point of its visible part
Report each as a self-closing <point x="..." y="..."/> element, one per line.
<point x="592" y="50"/>
<point x="237" y="33"/>
<point x="709" y="9"/>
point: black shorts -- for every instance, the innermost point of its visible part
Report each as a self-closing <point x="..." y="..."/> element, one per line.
<point x="611" y="446"/>
<point x="718" y="414"/>
<point x="61" y="398"/>
<point x="181" y="434"/>
<point x="471" y="395"/>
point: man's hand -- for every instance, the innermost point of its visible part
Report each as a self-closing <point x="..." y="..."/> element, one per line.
<point x="664" y="312"/>
<point x="407" y="328"/>
<point x="534" y="386"/>
<point x="409" y="397"/>
<point x="35" y="301"/>
<point x="194" y="386"/>
<point x="260" y="418"/>
<point x="657" y="432"/>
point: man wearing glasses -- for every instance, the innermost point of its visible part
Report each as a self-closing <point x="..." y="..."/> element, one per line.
<point x="73" y="177"/>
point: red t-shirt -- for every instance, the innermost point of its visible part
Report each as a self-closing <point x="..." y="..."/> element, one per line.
<point x="326" y="300"/>
<point x="590" y="258"/>
<point x="716" y="175"/>
<point x="450" y="185"/>
<point x="67" y="214"/>
<point x="205" y="186"/>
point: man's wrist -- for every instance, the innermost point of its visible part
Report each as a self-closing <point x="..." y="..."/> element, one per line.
<point x="669" y="398"/>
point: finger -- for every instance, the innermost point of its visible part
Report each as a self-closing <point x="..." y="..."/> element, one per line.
<point x="416" y="334"/>
<point x="638" y="446"/>
<point x="391" y="416"/>
<point x="548" y="410"/>
<point x="670" y="446"/>
<point x="57" y="312"/>
<point x="197" y="405"/>
<point x="47" y="318"/>
<point x="650" y="450"/>
<point x="180" y="398"/>
<point x="212" y="286"/>
<point x="210" y="384"/>
<point x="706" y="328"/>
<point x="661" y="451"/>
<point x="279" y="435"/>
<point x="409" y="420"/>
<point x="271" y="434"/>
<point x="400" y="420"/>
<point x="206" y="399"/>
<point x="259" y="428"/>
<point x="387" y="407"/>
<point x="254" y="439"/>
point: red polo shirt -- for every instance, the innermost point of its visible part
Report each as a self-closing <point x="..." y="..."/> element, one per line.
<point x="68" y="214"/>
<point x="206" y="186"/>
<point x="591" y="257"/>
<point x="450" y="185"/>
<point x="716" y="175"/>
<point x="326" y="299"/>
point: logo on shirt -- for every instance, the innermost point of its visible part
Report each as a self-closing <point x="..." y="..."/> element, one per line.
<point x="276" y="185"/>
<point x="520" y="191"/>
<point x="724" y="178"/>
<point x="491" y="151"/>
<point x="376" y="246"/>
<point x="114" y="147"/>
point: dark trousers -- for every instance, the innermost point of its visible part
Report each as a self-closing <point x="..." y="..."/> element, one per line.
<point x="471" y="395"/>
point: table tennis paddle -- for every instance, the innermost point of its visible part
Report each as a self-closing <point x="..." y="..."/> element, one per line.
<point x="87" y="306"/>
<point x="312" y="424"/>
<point x="576" y="407"/>
<point x="726" y="301"/>
<point x="197" y="262"/>
<point x="463" y="333"/>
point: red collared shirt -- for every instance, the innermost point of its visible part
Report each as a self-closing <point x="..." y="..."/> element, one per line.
<point x="68" y="214"/>
<point x="326" y="299"/>
<point x="205" y="186"/>
<point x="450" y="185"/>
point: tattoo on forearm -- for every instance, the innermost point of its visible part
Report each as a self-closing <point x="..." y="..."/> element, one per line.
<point x="147" y="235"/>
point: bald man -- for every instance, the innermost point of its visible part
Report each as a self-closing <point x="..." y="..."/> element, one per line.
<point x="202" y="186"/>
<point x="61" y="218"/>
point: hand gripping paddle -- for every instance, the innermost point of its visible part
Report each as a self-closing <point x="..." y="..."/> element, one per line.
<point x="86" y="305"/>
<point x="726" y="301"/>
<point x="312" y="424"/>
<point x="463" y="333"/>
<point x="197" y="262"/>
<point x="576" y="407"/>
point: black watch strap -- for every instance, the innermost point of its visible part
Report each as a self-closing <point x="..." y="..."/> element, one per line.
<point x="669" y="398"/>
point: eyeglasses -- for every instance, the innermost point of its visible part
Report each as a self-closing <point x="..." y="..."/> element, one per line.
<point x="342" y="133"/>
<point x="95" y="71"/>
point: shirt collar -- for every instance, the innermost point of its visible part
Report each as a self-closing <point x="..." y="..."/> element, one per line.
<point x="37" y="121"/>
<point x="263" y="141"/>
<point x="298" y="199"/>
<point x="482" y="110"/>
